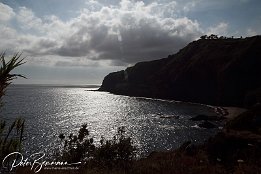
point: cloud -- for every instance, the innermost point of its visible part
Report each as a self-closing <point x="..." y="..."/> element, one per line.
<point x="80" y="62"/>
<point x="28" y="20"/>
<point x="220" y="29"/>
<point x="121" y="34"/>
<point x="251" y="32"/>
<point x="6" y="13"/>
<point x="127" y="33"/>
<point x="189" y="6"/>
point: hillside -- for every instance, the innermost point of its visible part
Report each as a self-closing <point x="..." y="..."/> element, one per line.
<point x="212" y="71"/>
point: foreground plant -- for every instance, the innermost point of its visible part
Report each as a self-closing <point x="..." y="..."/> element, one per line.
<point x="10" y="136"/>
<point x="5" y="71"/>
<point x="118" y="152"/>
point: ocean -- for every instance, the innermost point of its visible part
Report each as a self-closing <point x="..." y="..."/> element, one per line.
<point x="51" y="110"/>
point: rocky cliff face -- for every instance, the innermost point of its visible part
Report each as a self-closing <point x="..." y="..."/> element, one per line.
<point x="210" y="71"/>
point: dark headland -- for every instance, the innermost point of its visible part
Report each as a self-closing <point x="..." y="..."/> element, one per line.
<point x="216" y="71"/>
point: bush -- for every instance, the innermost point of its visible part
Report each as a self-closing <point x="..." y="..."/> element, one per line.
<point x="118" y="152"/>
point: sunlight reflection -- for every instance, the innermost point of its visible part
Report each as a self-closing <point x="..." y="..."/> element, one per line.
<point x="50" y="111"/>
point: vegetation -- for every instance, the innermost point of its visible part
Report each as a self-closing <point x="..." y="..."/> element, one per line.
<point x="236" y="149"/>
<point x="110" y="154"/>
<point x="5" y="71"/>
<point x="248" y="121"/>
<point x="213" y="36"/>
<point x="10" y="136"/>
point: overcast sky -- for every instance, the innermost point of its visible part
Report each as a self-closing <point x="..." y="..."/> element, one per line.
<point x="79" y="42"/>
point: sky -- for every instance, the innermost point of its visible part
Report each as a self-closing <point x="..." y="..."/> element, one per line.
<point x="80" y="42"/>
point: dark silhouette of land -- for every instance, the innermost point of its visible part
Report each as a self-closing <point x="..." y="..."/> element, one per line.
<point x="213" y="70"/>
<point x="217" y="71"/>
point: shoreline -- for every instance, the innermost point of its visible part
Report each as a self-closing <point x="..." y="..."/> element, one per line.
<point x="233" y="112"/>
<point x="228" y="112"/>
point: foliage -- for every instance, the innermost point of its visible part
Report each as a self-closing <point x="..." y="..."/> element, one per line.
<point x="77" y="147"/>
<point x="110" y="153"/>
<point x="5" y="70"/>
<point x="247" y="121"/>
<point x="228" y="152"/>
<point x="215" y="37"/>
<point x="10" y="137"/>
<point x="119" y="150"/>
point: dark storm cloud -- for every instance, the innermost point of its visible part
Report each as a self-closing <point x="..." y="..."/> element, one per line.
<point x="121" y="34"/>
<point x="127" y="36"/>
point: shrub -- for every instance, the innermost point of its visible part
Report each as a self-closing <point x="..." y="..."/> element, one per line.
<point x="77" y="147"/>
<point x="118" y="151"/>
<point x="110" y="153"/>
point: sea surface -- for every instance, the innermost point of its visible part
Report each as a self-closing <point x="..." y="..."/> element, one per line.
<point x="51" y="110"/>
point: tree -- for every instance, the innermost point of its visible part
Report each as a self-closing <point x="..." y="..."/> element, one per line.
<point x="203" y="37"/>
<point x="213" y="36"/>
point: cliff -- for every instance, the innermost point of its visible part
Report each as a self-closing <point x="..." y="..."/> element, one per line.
<point x="211" y="71"/>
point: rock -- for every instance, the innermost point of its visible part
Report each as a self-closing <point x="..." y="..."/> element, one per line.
<point x="249" y="120"/>
<point x="210" y="71"/>
<point x="112" y="81"/>
<point x="221" y="111"/>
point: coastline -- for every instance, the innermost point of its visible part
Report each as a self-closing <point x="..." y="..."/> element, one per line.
<point x="229" y="112"/>
<point x="233" y="112"/>
<point x="213" y="156"/>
